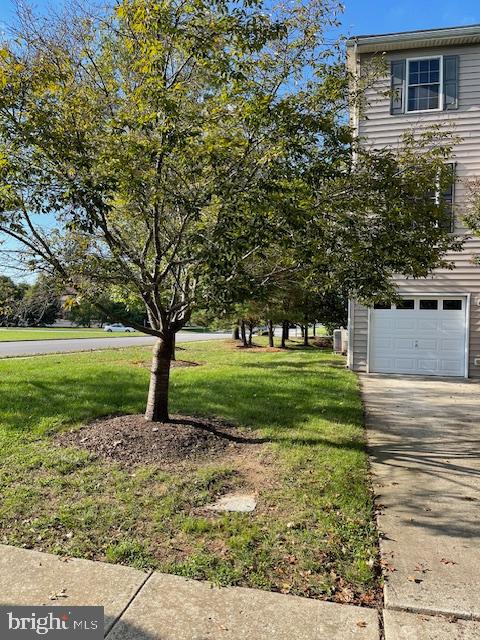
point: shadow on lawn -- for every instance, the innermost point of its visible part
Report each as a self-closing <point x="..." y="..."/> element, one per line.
<point x="280" y="395"/>
<point x="37" y="404"/>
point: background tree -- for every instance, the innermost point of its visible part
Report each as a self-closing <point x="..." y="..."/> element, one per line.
<point x="40" y="304"/>
<point x="85" y="313"/>
<point x="11" y="295"/>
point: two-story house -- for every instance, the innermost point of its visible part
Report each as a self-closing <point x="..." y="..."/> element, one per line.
<point x="433" y="78"/>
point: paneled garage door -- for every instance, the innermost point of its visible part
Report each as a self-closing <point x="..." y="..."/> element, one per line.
<point x="420" y="336"/>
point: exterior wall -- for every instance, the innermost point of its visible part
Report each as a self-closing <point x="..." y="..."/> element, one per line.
<point x="382" y="129"/>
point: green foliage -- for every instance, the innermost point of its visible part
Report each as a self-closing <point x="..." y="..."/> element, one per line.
<point x="152" y="134"/>
<point x="28" y="305"/>
<point x="40" y="304"/>
<point x="85" y="313"/>
<point x="10" y="296"/>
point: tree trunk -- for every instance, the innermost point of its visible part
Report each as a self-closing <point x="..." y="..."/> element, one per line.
<point x="305" y="334"/>
<point x="314" y="329"/>
<point x="250" y="333"/>
<point x="270" y="333"/>
<point x="157" y="404"/>
<point x="243" y="332"/>
<point x="284" y="335"/>
<point x="174" y="344"/>
<point x="236" y="333"/>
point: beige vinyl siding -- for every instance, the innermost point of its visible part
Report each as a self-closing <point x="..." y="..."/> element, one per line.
<point x="360" y="338"/>
<point x="380" y="129"/>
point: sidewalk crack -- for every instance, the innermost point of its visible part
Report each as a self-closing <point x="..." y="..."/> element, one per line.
<point x="122" y="612"/>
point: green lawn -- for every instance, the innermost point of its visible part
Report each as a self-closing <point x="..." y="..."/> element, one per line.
<point x="313" y="533"/>
<point x="12" y="334"/>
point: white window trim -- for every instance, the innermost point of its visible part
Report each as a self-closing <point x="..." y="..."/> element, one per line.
<point x="440" y="92"/>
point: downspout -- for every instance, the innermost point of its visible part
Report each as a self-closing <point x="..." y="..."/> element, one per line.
<point x="350" y="334"/>
<point x="355" y="116"/>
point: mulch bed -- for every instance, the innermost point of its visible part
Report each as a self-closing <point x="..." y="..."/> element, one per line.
<point x="323" y="342"/>
<point x="256" y="349"/>
<point x="131" y="440"/>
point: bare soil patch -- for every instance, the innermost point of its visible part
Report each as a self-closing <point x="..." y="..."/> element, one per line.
<point x="131" y="440"/>
<point x="323" y="342"/>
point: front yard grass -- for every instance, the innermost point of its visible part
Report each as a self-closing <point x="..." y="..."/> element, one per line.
<point x="313" y="532"/>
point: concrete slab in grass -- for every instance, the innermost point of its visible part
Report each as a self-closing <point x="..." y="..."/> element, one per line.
<point x="33" y="578"/>
<point x="174" y="608"/>
<point x="239" y="502"/>
<point x="400" y="625"/>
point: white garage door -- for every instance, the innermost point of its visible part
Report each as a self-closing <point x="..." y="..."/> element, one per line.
<point x="421" y="336"/>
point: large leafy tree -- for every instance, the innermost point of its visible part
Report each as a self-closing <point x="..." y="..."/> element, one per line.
<point x="167" y="150"/>
<point x="11" y="295"/>
<point x="150" y="135"/>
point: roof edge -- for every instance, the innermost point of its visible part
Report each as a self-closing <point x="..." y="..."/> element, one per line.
<point x="421" y="35"/>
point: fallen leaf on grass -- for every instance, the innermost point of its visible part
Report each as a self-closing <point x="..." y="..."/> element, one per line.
<point x="386" y="566"/>
<point x="422" y="568"/>
<point x="290" y="559"/>
<point x="368" y="598"/>
<point x="345" y="595"/>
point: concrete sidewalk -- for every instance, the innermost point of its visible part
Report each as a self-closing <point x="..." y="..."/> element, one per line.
<point x="155" y="606"/>
<point x="424" y="437"/>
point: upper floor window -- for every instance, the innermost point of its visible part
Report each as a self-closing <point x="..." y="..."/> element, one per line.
<point x="424" y="84"/>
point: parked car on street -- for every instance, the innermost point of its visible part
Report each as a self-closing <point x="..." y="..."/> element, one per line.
<point x="117" y="326"/>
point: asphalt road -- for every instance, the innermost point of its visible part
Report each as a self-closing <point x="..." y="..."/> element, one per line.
<point x="39" y="347"/>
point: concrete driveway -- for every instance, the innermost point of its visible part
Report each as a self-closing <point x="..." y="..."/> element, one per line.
<point x="424" y="441"/>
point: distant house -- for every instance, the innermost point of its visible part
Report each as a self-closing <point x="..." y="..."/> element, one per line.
<point x="434" y="77"/>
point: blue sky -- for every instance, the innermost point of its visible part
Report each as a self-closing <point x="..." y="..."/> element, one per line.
<point x="374" y="16"/>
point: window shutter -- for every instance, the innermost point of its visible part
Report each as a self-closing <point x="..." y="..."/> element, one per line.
<point x="397" y="68"/>
<point x="450" y="82"/>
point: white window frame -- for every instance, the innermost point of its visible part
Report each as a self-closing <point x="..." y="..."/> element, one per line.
<point x="407" y="84"/>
